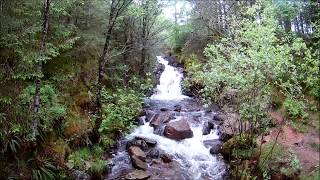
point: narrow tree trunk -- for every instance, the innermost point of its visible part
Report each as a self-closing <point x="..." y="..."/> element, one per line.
<point x="101" y="70"/>
<point x="144" y="44"/>
<point x="36" y="100"/>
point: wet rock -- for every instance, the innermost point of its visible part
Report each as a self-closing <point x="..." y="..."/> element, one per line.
<point x="137" y="175"/>
<point x="156" y="161"/>
<point x="150" y="142"/>
<point x="150" y="115"/>
<point x="224" y="137"/>
<point x="159" y="119"/>
<point x="159" y="131"/>
<point x="79" y="175"/>
<point x="206" y="129"/>
<point x="177" y="108"/>
<point x="178" y="130"/>
<point x="136" y="151"/>
<point x="153" y="153"/>
<point x="212" y="142"/>
<point x="138" y="163"/>
<point x="141" y="120"/>
<point x="215" y="149"/>
<point x="166" y="158"/>
<point x="219" y="117"/>
<point x="164" y="109"/>
<point x="138" y="143"/>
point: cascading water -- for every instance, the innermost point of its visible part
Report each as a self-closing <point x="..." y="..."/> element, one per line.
<point x="192" y="156"/>
<point x="170" y="83"/>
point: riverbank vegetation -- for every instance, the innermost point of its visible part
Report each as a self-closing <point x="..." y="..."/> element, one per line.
<point x="259" y="57"/>
<point x="73" y="75"/>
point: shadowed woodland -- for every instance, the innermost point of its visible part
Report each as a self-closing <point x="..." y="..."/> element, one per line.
<point x="74" y="75"/>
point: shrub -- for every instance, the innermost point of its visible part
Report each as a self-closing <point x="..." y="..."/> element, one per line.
<point x="120" y="107"/>
<point x="89" y="160"/>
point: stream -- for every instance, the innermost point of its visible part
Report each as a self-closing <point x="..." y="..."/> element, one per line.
<point x="173" y="140"/>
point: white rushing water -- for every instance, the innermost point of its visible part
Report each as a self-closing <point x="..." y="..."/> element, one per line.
<point x="170" y="83"/>
<point x="191" y="153"/>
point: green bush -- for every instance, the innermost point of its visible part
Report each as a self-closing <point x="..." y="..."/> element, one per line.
<point x="120" y="107"/>
<point x="295" y="108"/>
<point x="89" y="160"/>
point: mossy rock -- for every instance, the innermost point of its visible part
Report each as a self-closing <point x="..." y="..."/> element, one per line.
<point x="242" y="141"/>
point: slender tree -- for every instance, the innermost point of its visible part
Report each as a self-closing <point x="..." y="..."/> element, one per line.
<point x="37" y="99"/>
<point x="116" y="9"/>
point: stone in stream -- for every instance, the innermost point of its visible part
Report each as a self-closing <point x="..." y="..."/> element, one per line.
<point x="137" y="175"/>
<point x="219" y="117"/>
<point x="150" y="115"/>
<point x="150" y="142"/>
<point x="138" y="163"/>
<point x="138" y="143"/>
<point x="177" y="108"/>
<point x="207" y="126"/>
<point x="159" y="120"/>
<point x="153" y="153"/>
<point x="212" y="142"/>
<point x="166" y="158"/>
<point x="178" y="130"/>
<point x="215" y="150"/>
<point x="136" y="151"/>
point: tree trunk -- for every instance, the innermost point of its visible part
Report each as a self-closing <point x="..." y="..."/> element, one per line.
<point x="115" y="10"/>
<point x="144" y="42"/>
<point x="36" y="100"/>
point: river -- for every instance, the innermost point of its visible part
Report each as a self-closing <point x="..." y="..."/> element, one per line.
<point x="190" y="157"/>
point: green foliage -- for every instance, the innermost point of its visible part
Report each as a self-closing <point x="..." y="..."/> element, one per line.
<point x="275" y="158"/>
<point x="50" y="110"/>
<point x="244" y="67"/>
<point x="119" y="110"/>
<point x="179" y="36"/>
<point x="42" y="169"/>
<point x="87" y="159"/>
<point x="295" y="108"/>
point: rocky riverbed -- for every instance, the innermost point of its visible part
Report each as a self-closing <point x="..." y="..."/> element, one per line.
<point x="177" y="138"/>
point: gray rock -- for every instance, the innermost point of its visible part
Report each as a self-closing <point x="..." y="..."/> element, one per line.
<point x="153" y="153"/>
<point x="159" y="120"/>
<point x="139" y="143"/>
<point x="150" y="142"/>
<point x="138" y="163"/>
<point x="166" y="158"/>
<point x="178" y="130"/>
<point x="137" y="175"/>
<point x="136" y="151"/>
<point x="79" y="175"/>
<point x="215" y="149"/>
<point x="212" y="142"/>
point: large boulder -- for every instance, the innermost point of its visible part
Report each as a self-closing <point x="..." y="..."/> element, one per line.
<point x="137" y="175"/>
<point x="178" y="130"/>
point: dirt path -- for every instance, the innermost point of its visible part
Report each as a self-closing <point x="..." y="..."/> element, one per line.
<point x="297" y="142"/>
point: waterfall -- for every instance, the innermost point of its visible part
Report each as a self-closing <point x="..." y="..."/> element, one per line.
<point x="170" y="83"/>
